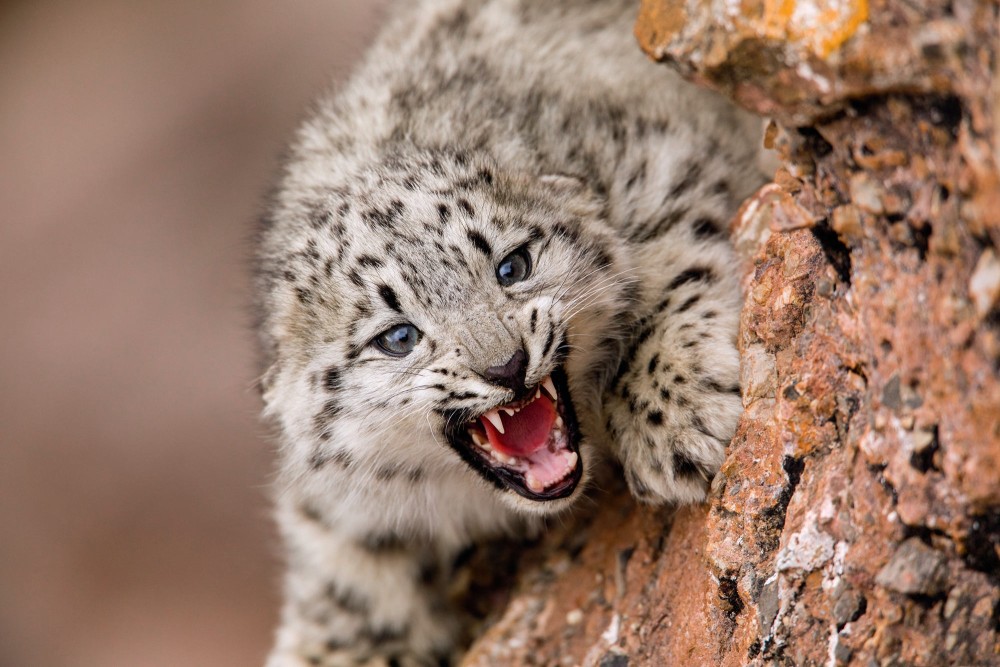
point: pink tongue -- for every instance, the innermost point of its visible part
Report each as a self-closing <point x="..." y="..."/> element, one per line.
<point x="526" y="431"/>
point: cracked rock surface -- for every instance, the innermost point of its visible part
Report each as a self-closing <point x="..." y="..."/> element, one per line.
<point x="856" y="519"/>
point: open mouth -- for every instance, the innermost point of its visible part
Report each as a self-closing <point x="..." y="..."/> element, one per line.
<point x="530" y="446"/>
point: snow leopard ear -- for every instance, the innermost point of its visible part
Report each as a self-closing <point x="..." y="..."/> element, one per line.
<point x="574" y="194"/>
<point x="563" y="183"/>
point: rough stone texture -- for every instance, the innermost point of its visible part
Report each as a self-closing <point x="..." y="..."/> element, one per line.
<point x="856" y="520"/>
<point x="798" y="59"/>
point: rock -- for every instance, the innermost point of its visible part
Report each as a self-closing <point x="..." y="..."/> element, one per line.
<point x="984" y="285"/>
<point x="866" y="193"/>
<point x="757" y="375"/>
<point x="848" y="607"/>
<point x="614" y="660"/>
<point x="847" y="222"/>
<point x="767" y="606"/>
<point x="800" y="61"/>
<point x="915" y="569"/>
<point x="854" y="520"/>
<point x="807" y="550"/>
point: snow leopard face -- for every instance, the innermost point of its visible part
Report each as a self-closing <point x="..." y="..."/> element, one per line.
<point x="438" y="317"/>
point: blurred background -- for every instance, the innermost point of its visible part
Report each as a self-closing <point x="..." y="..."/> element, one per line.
<point x="136" y="140"/>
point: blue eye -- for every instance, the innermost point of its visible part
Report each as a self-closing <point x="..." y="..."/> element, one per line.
<point x="398" y="341"/>
<point x="514" y="268"/>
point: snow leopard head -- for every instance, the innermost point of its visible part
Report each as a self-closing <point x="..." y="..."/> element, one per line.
<point x="433" y="312"/>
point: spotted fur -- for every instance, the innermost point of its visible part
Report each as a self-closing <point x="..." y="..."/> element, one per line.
<point x="474" y="128"/>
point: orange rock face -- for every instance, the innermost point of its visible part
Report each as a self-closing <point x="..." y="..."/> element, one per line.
<point x="856" y="520"/>
<point x="798" y="59"/>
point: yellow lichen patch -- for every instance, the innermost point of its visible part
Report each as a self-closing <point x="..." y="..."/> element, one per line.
<point x="821" y="26"/>
<point x="777" y="14"/>
<point x="657" y="24"/>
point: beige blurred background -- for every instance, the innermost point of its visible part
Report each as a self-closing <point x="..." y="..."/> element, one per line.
<point x="136" y="138"/>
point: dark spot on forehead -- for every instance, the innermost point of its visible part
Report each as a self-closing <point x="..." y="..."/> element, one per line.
<point x="444" y="212"/>
<point x="362" y="308"/>
<point x="566" y="232"/>
<point x="389" y="296"/>
<point x="356" y="278"/>
<point x="480" y="242"/>
<point x="466" y="206"/>
<point x="385" y="217"/>
<point x="369" y="260"/>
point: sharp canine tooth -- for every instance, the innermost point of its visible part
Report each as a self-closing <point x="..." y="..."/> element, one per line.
<point x="550" y="387"/>
<point x="559" y="421"/>
<point x="538" y="392"/>
<point x="494" y="418"/>
<point x="510" y="412"/>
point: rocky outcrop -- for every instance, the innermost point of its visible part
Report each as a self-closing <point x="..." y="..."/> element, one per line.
<point x="856" y="520"/>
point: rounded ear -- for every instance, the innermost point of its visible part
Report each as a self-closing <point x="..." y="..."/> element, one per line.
<point x="563" y="183"/>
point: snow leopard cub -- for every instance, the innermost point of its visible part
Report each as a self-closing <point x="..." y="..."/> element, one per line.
<point x="497" y="252"/>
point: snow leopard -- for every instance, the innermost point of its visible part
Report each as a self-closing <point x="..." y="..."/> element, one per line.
<point x="493" y="259"/>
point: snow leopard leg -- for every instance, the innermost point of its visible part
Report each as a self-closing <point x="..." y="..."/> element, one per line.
<point x="374" y="601"/>
<point x="674" y="402"/>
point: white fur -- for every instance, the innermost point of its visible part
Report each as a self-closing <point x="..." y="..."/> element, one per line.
<point x="501" y="119"/>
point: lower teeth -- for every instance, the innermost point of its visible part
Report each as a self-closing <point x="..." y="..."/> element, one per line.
<point x="536" y="486"/>
<point x="533" y="483"/>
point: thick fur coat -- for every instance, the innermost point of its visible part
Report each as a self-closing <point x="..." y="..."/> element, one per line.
<point x="482" y="142"/>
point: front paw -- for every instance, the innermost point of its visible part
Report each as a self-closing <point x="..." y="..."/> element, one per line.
<point x="671" y="450"/>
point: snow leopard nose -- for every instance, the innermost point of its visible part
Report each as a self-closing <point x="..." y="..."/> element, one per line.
<point x="511" y="374"/>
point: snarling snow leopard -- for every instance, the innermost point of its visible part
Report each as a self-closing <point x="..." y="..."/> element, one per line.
<point x="497" y="253"/>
